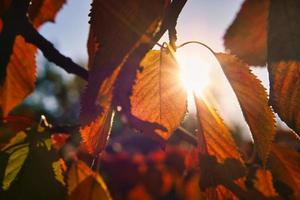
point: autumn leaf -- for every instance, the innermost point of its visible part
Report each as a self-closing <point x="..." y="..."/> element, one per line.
<point x="263" y="182"/>
<point x="128" y="25"/>
<point x="284" y="164"/>
<point x="95" y="135"/>
<point x="218" y="152"/>
<point x="246" y="37"/>
<point x="41" y="11"/>
<point x="284" y="61"/>
<point x="158" y="95"/>
<point x="253" y="100"/>
<point x="20" y="77"/>
<point x="82" y="179"/>
<point x="214" y="137"/>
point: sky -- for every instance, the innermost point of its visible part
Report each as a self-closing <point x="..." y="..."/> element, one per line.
<point x="201" y="20"/>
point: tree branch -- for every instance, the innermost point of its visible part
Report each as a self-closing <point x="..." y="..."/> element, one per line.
<point x="32" y="36"/>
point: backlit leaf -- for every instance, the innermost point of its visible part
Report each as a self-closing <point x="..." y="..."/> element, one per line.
<point x="128" y="25"/>
<point x="284" y="60"/>
<point x="284" y="164"/>
<point x="83" y="183"/>
<point x="158" y="95"/>
<point x="247" y="35"/>
<point x="218" y="153"/>
<point x="20" y="76"/>
<point x="96" y="134"/>
<point x="21" y="69"/>
<point x="253" y="100"/>
<point x="263" y="183"/>
<point x="41" y="11"/>
<point x="214" y="136"/>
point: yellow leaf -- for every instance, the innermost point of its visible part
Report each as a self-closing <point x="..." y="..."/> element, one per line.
<point x="14" y="165"/>
<point x="158" y="95"/>
<point x="58" y="171"/>
<point x="253" y="100"/>
<point x="18" y="138"/>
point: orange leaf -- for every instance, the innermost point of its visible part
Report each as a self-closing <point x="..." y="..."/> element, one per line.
<point x="20" y="77"/>
<point x="117" y="29"/>
<point x="41" y="11"/>
<point x="158" y="95"/>
<point x="253" y="101"/>
<point x="96" y="134"/>
<point x="283" y="61"/>
<point x="83" y="183"/>
<point x="263" y="183"/>
<point x="284" y="164"/>
<point x="247" y="35"/>
<point x="216" y="141"/>
<point x="21" y="69"/>
<point x="214" y="137"/>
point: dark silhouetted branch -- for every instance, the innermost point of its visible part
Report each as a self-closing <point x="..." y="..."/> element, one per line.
<point x="32" y="36"/>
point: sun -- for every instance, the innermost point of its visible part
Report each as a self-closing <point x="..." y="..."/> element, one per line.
<point x="195" y="73"/>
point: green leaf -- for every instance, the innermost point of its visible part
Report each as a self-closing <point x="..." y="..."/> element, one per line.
<point x="14" y="165"/>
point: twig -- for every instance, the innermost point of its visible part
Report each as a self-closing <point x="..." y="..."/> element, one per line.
<point x="31" y="35"/>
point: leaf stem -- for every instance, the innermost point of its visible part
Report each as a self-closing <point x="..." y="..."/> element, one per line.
<point x="197" y="42"/>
